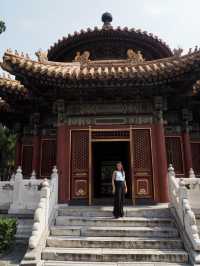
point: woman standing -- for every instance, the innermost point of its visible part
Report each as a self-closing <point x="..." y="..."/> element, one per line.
<point x="119" y="189"/>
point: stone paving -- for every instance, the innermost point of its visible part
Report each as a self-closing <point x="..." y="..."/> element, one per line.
<point x="14" y="257"/>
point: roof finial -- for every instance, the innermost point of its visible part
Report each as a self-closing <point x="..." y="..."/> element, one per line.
<point x="107" y="19"/>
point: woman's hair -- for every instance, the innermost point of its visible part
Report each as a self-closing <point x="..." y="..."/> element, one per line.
<point x="122" y="170"/>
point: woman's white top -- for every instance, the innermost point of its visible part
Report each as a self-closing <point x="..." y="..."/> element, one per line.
<point x="119" y="176"/>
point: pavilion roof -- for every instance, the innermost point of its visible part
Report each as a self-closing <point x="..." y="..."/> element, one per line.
<point x="109" y="38"/>
<point x="141" y="38"/>
<point x="159" y="71"/>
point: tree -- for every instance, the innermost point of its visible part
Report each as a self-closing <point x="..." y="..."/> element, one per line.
<point x="2" y="26"/>
<point x="7" y="152"/>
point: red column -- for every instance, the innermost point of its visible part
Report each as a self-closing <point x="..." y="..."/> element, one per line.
<point x="162" y="161"/>
<point x="63" y="162"/>
<point x="36" y="154"/>
<point x="187" y="151"/>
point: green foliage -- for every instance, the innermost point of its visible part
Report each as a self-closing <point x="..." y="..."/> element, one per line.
<point x="8" y="227"/>
<point x="2" y="26"/>
<point x="7" y="151"/>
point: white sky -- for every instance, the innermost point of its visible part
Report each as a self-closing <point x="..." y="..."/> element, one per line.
<point x="34" y="24"/>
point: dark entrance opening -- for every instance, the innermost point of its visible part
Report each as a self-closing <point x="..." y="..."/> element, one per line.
<point x="105" y="155"/>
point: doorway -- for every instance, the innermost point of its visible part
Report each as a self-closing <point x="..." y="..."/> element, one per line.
<point x="105" y="155"/>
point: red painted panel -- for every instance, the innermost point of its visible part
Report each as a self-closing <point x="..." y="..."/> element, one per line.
<point x="47" y="157"/>
<point x="26" y="159"/>
<point x="174" y="149"/>
<point x="196" y="157"/>
<point x="63" y="162"/>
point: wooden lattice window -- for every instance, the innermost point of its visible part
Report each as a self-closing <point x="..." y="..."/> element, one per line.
<point x="48" y="156"/>
<point x="27" y="157"/>
<point x="80" y="150"/>
<point x="195" y="146"/>
<point x="174" y="153"/>
<point x="142" y="150"/>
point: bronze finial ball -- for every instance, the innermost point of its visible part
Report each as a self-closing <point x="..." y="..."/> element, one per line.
<point x="106" y="17"/>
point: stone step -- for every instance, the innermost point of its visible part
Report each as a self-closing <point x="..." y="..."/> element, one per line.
<point x="107" y="221"/>
<point x="82" y="263"/>
<point x="114" y="255"/>
<point x="114" y="231"/>
<point x="160" y="210"/>
<point x="114" y="242"/>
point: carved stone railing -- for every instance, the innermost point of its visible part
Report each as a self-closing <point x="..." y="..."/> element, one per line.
<point x="20" y="195"/>
<point x="26" y="193"/>
<point x="45" y="209"/>
<point x="182" y="201"/>
<point x="6" y="194"/>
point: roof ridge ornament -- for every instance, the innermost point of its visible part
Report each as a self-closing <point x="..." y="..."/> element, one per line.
<point x="42" y="55"/>
<point x="107" y="19"/>
<point x="135" y="57"/>
<point x="178" y="51"/>
<point x="82" y="58"/>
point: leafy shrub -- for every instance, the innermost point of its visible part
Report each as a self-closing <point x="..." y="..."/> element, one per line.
<point x="7" y="152"/>
<point x="8" y="227"/>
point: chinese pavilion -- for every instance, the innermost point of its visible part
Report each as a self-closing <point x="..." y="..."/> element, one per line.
<point x="100" y="96"/>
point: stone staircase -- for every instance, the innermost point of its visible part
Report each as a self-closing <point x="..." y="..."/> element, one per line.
<point x="90" y="236"/>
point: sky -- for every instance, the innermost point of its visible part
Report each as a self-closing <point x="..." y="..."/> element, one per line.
<point x="37" y="24"/>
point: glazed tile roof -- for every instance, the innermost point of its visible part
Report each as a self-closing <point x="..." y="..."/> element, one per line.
<point x="147" y="72"/>
<point x="10" y="86"/>
<point x="89" y="34"/>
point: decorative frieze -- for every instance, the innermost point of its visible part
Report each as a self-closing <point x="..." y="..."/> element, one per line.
<point x="93" y="120"/>
<point x="101" y="109"/>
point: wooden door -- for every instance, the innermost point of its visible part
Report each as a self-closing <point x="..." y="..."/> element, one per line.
<point x="142" y="164"/>
<point x="79" y="164"/>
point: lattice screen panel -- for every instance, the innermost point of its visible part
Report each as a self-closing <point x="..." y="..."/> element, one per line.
<point x="142" y="164"/>
<point x="80" y="150"/>
<point x="174" y="153"/>
<point x="48" y="157"/>
<point x="142" y="149"/>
